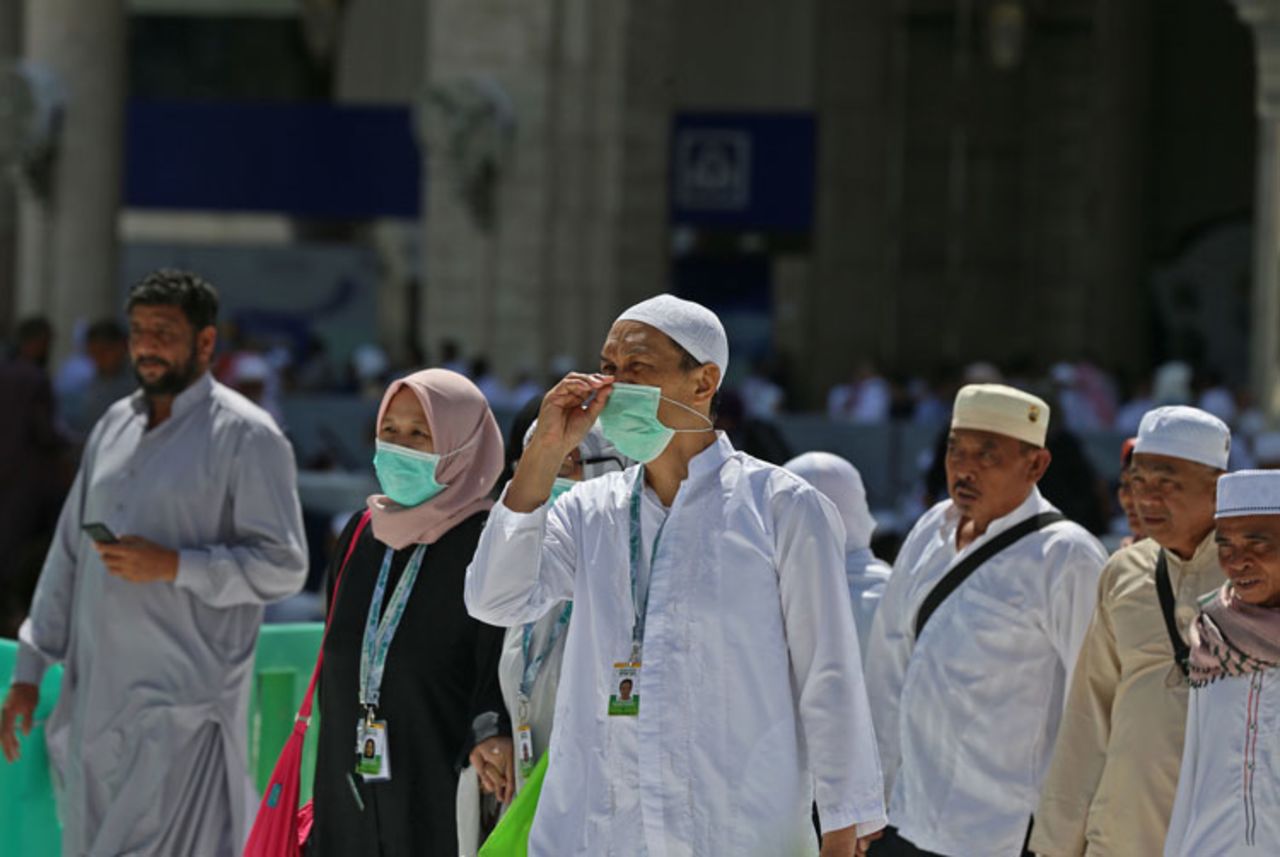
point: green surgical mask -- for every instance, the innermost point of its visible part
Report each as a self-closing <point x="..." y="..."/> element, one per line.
<point x="407" y="475"/>
<point x="630" y="421"/>
<point x="560" y="486"/>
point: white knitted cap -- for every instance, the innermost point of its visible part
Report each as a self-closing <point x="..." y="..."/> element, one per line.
<point x="694" y="328"/>
<point x="1180" y="431"/>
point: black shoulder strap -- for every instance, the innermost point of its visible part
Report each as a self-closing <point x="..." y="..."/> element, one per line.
<point x="961" y="570"/>
<point x="1164" y="589"/>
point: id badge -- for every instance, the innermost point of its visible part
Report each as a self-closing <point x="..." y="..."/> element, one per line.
<point x="624" y="699"/>
<point x="524" y="750"/>
<point x="373" y="758"/>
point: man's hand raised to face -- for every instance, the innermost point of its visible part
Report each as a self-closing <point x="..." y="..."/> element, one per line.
<point x="562" y="424"/>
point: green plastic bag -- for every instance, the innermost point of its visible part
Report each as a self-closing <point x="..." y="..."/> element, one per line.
<point x="511" y="837"/>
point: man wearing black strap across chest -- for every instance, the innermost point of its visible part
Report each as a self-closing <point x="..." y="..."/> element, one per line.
<point x="1111" y="786"/>
<point x="976" y="636"/>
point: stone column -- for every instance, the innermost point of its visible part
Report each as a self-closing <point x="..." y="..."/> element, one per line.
<point x="67" y="237"/>
<point x="536" y="260"/>
<point x="1263" y="17"/>
<point x="10" y="50"/>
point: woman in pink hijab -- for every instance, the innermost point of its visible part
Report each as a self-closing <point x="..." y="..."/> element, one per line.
<point x="409" y="683"/>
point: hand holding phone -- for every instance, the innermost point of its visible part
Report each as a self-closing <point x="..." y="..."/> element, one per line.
<point x="101" y="534"/>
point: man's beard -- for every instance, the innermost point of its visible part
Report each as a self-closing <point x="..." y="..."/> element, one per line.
<point x="173" y="381"/>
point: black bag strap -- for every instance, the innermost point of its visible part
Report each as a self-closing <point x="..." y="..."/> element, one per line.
<point x="960" y="571"/>
<point x="1164" y="589"/>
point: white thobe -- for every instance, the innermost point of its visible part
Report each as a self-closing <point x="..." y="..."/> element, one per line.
<point x="752" y="702"/>
<point x="1228" y="801"/>
<point x="867" y="577"/>
<point x="148" y="740"/>
<point x="966" y="715"/>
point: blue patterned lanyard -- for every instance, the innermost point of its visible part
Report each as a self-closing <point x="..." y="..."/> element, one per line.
<point x="640" y="606"/>
<point x="379" y="633"/>
<point x="534" y="666"/>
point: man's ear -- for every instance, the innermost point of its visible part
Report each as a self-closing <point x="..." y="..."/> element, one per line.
<point x="708" y="381"/>
<point x="1042" y="459"/>
<point x="206" y="342"/>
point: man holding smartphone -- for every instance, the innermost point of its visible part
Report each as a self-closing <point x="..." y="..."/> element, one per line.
<point x="157" y="627"/>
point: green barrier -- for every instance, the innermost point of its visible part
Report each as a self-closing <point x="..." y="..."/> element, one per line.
<point x="285" y="657"/>
<point x="28" y="813"/>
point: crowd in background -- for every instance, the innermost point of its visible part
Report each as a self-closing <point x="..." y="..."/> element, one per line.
<point x="1086" y="397"/>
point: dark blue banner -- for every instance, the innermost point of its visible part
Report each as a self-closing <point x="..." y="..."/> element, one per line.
<point x="746" y="171"/>
<point x="307" y="160"/>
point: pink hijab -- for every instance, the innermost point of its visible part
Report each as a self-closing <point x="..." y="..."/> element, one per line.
<point x="459" y="417"/>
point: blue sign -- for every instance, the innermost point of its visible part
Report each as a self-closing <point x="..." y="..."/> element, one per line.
<point x="309" y="160"/>
<point x="745" y="171"/>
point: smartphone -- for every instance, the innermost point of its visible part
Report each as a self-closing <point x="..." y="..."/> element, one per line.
<point x="101" y="533"/>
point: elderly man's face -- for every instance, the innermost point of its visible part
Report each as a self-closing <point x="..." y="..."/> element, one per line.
<point x="636" y="353"/>
<point x="989" y="475"/>
<point x="1175" y="499"/>
<point x="1124" y="493"/>
<point x="1249" y="553"/>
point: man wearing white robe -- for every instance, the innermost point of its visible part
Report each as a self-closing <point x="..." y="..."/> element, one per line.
<point x="157" y="631"/>
<point x="751" y="703"/>
<point x="967" y="711"/>
<point x="841" y="483"/>
<point x="1228" y="798"/>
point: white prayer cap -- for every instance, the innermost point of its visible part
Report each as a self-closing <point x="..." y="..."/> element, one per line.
<point x="841" y="483"/>
<point x="1003" y="410"/>
<point x="694" y="328"/>
<point x="1181" y="431"/>
<point x="1249" y="492"/>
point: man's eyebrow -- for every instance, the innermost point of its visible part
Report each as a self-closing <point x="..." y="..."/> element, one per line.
<point x="626" y="349"/>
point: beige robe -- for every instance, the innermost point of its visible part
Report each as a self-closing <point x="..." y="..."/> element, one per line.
<point x="1111" y="785"/>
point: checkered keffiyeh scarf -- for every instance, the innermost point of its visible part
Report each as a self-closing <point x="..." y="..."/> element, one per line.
<point x="1232" y="638"/>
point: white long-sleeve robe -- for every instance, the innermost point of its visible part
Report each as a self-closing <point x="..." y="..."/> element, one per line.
<point x="752" y="696"/>
<point x="148" y="740"/>
<point x="1228" y="801"/>
<point x="966" y="715"/>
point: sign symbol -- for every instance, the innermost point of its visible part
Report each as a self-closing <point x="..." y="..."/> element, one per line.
<point x="713" y="169"/>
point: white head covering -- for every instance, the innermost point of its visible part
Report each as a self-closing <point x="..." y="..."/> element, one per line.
<point x="1249" y="492"/>
<point x="840" y="482"/>
<point x="1003" y="410"/>
<point x="694" y="328"/>
<point x="593" y="446"/>
<point x="1180" y="431"/>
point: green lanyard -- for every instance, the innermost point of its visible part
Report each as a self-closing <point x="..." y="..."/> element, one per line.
<point x="641" y="607"/>
<point x="529" y="674"/>
<point x="379" y="633"/>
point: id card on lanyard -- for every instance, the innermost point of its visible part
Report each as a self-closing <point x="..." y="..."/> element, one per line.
<point x="624" y="694"/>
<point x="525" y="758"/>
<point x="373" y="750"/>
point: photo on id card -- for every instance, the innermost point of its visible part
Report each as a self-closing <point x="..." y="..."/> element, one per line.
<point x="624" y="701"/>
<point x="373" y="762"/>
